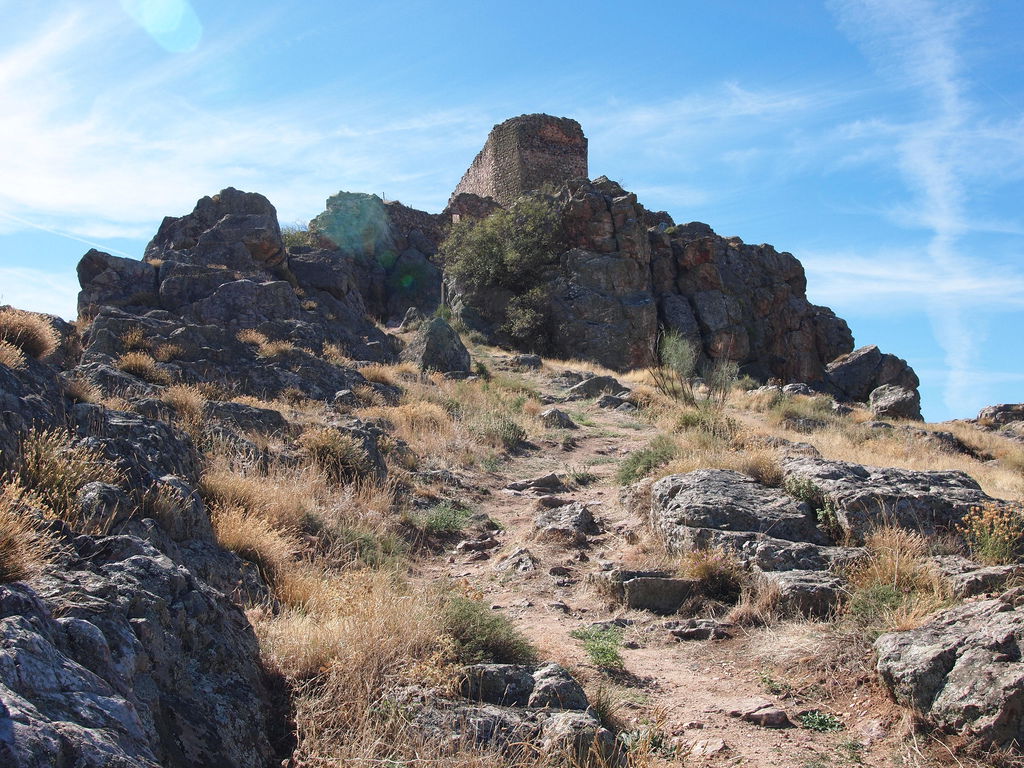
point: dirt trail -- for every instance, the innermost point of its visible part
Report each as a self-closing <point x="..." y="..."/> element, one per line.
<point x="684" y="689"/>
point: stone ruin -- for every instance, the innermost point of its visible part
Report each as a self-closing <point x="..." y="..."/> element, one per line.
<point x="526" y="153"/>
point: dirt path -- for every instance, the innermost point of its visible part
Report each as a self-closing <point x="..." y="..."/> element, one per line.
<point x="683" y="689"/>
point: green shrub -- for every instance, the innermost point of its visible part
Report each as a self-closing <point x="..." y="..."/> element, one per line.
<point x="816" y="720"/>
<point x="480" y="635"/>
<point x="501" y="431"/>
<point x="446" y="517"/>
<point x="641" y="463"/>
<point x="602" y="645"/>
<point x="509" y="250"/>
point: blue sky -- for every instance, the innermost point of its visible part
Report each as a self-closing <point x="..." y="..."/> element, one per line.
<point x="880" y="141"/>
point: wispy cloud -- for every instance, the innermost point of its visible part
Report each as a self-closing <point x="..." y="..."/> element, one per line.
<point x="41" y="291"/>
<point x="915" y="44"/>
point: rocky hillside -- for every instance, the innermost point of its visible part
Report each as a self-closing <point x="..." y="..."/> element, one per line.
<point x="244" y="523"/>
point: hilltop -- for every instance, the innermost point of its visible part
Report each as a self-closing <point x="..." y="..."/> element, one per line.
<point x="545" y="478"/>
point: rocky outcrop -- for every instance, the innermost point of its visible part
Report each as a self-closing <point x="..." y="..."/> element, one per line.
<point x="623" y="274"/>
<point x="388" y="247"/>
<point x="862" y="497"/>
<point x="225" y="266"/>
<point x="962" y="670"/>
<point x="145" y="666"/>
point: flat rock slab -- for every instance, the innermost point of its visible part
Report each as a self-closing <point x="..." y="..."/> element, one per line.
<point x="723" y="500"/>
<point x="864" y="496"/>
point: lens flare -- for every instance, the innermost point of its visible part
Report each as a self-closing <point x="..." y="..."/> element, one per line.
<point x="173" y="24"/>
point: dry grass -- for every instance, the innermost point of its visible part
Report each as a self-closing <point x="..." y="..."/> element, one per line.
<point x="11" y="356"/>
<point x="25" y="548"/>
<point x="265" y="348"/>
<point x="895" y="587"/>
<point x="392" y="375"/>
<point x="81" y="390"/>
<point x="335" y="452"/>
<point x="29" y="332"/>
<point x="135" y="339"/>
<point x="54" y="468"/>
<point x="334" y="354"/>
<point x="254" y="538"/>
<point x="166" y="353"/>
<point x="143" y="366"/>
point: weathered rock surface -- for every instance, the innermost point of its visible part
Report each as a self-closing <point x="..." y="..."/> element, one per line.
<point x="890" y="401"/>
<point x="437" y="347"/>
<point x="856" y="375"/>
<point x="570" y="524"/>
<point x="814" y="594"/>
<point x="962" y="670"/>
<point x="146" y="666"/>
<point x="863" y="496"/>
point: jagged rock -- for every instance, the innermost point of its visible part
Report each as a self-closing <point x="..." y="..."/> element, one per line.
<point x="147" y="666"/>
<point x="962" y="670"/>
<point x="114" y="281"/>
<point x="247" y="418"/>
<point x="548" y="686"/>
<point x="862" y="496"/>
<point x="553" y="418"/>
<point x="594" y="386"/>
<point x="437" y="347"/>
<point x="569" y="524"/>
<point x="894" y="402"/>
<point x="798" y="388"/>
<point x="550" y="482"/>
<point x="759" y="712"/>
<point x="811" y="594"/>
<point x="1000" y="415"/>
<point x="611" y="401"/>
<point x="855" y="375"/>
<point x="527" y="361"/>
<point x="520" y="560"/>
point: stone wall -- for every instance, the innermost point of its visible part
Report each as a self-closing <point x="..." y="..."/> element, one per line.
<point x="524" y="153"/>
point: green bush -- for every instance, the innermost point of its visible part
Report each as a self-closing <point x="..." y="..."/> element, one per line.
<point x="816" y="720"/>
<point x="641" y="463"/>
<point x="479" y="635"/>
<point x="509" y="250"/>
<point x="446" y="518"/>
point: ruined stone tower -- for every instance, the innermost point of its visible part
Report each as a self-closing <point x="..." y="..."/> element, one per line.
<point x="524" y="153"/>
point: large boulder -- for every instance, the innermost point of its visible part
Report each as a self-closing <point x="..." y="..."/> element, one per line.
<point x="962" y="670"/>
<point x="234" y="229"/>
<point x="437" y="347"/>
<point x="894" y="402"/>
<point x="856" y="375"/>
<point x="114" y="281"/>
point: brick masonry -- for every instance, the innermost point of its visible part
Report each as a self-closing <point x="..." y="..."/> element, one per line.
<point x="525" y="153"/>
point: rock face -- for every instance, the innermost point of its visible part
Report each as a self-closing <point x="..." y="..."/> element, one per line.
<point x="963" y="670"/>
<point x="863" y="496"/>
<point x="621" y="276"/>
<point x="891" y="402"/>
<point x="154" y="668"/>
<point x="795" y="543"/>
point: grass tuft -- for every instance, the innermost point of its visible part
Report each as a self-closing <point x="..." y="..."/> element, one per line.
<point x="27" y="331"/>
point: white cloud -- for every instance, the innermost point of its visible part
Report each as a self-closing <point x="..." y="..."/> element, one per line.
<point x="916" y="44"/>
<point x="39" y="291"/>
